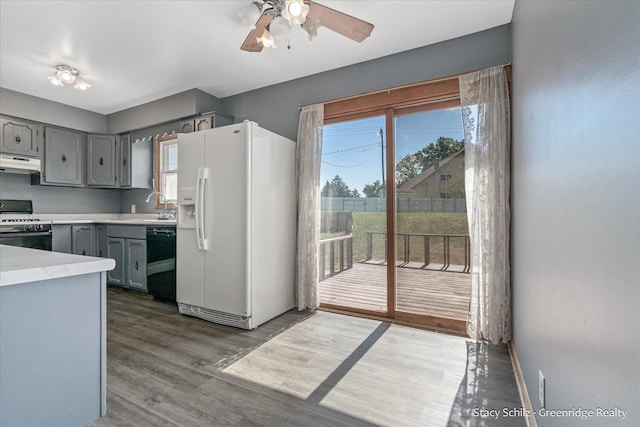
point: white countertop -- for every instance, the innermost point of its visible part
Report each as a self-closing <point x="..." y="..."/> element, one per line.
<point x="23" y="265"/>
<point x="125" y="219"/>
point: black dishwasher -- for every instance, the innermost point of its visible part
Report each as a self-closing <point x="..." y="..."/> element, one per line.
<point x="161" y="262"/>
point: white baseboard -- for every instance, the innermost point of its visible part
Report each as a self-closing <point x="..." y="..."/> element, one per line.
<point x="522" y="387"/>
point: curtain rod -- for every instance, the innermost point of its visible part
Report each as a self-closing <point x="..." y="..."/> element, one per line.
<point x="452" y="76"/>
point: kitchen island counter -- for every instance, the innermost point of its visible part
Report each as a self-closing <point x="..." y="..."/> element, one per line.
<point x="23" y="265"/>
<point x="53" y="335"/>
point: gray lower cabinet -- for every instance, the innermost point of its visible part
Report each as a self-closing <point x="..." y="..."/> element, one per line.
<point x="101" y="160"/>
<point x="115" y="250"/>
<point x="83" y="239"/>
<point x="20" y="137"/>
<point x="101" y="241"/>
<point x="74" y="239"/>
<point x="136" y="264"/>
<point x="127" y="245"/>
<point x="63" y="157"/>
<point x="61" y="238"/>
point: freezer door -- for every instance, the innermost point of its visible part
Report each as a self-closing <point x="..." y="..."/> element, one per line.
<point x="226" y="218"/>
<point x="273" y="224"/>
<point x="190" y="259"/>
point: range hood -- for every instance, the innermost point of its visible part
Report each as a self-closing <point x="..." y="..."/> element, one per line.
<point x="17" y="164"/>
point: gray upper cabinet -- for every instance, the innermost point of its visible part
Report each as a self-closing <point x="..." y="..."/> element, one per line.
<point x="186" y="126"/>
<point x="124" y="163"/>
<point x="63" y="154"/>
<point x="20" y="137"/>
<point x="140" y="164"/>
<point x="101" y="160"/>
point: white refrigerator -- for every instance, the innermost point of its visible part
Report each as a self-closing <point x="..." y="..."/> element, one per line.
<point x="236" y="225"/>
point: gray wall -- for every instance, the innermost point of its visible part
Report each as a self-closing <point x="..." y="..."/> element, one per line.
<point x="576" y="204"/>
<point x="42" y="110"/>
<point x="277" y="107"/>
<point x="184" y="104"/>
<point x="58" y="200"/>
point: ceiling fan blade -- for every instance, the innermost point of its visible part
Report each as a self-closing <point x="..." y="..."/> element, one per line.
<point x="251" y="44"/>
<point x="354" y="28"/>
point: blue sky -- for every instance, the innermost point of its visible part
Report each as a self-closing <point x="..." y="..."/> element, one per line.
<point x="352" y="149"/>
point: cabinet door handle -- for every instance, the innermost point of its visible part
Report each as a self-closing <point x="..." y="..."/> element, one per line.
<point x="101" y="161"/>
<point x="63" y="158"/>
<point x="124" y="162"/>
<point x="136" y="266"/>
<point x="18" y="139"/>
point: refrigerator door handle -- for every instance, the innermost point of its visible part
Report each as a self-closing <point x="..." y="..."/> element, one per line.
<point x="202" y="179"/>
<point x="197" y="210"/>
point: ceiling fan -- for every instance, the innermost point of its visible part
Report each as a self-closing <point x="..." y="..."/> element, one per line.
<point x="276" y="17"/>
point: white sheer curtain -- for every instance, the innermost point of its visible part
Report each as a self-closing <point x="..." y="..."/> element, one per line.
<point x="484" y="99"/>
<point x="308" y="154"/>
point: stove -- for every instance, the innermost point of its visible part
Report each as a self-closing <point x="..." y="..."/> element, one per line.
<point x="18" y="228"/>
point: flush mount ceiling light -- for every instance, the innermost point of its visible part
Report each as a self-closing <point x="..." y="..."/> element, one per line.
<point x="66" y="75"/>
<point x="274" y="19"/>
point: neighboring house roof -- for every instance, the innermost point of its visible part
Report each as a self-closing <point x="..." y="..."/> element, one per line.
<point x="408" y="186"/>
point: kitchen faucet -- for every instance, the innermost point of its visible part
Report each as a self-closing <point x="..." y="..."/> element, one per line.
<point x="165" y="214"/>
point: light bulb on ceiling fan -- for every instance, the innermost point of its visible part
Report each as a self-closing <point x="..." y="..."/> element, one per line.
<point x="55" y="80"/>
<point x="295" y="11"/>
<point x="66" y="76"/>
<point x="280" y="29"/>
<point x="266" y="39"/>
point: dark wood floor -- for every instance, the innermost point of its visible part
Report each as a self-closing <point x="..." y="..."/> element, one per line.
<point x="166" y="369"/>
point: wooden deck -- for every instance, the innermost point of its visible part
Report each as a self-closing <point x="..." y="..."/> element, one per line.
<point x="419" y="291"/>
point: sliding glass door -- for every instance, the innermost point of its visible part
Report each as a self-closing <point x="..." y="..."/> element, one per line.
<point x="353" y="245"/>
<point x="432" y="244"/>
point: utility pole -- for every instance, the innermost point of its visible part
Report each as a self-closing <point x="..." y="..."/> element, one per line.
<point x="382" y="158"/>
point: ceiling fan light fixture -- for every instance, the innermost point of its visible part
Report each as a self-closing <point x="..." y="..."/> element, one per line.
<point x="249" y="12"/>
<point x="266" y="39"/>
<point x="280" y="29"/>
<point x="81" y="84"/>
<point x="55" y="80"/>
<point x="295" y="11"/>
<point x="65" y="75"/>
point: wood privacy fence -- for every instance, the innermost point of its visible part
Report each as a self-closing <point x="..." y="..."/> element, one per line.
<point x="336" y="222"/>
<point x="403" y="204"/>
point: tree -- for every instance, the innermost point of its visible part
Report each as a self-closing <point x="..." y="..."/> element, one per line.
<point x="338" y="188"/>
<point x="373" y="190"/>
<point x="413" y="164"/>
<point x="455" y="187"/>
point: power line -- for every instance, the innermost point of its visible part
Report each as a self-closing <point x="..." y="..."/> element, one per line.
<point x="350" y="149"/>
<point x="343" y="166"/>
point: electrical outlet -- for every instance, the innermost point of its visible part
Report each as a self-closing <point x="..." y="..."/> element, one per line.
<point x="541" y="384"/>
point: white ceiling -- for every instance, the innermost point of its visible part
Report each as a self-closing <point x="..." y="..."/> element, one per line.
<point x="134" y="52"/>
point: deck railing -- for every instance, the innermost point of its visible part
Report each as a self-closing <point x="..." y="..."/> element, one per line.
<point x="426" y="238"/>
<point x="345" y="260"/>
